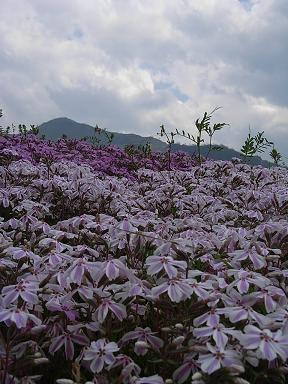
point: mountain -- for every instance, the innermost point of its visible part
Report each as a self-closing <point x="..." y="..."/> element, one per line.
<point x="56" y="128"/>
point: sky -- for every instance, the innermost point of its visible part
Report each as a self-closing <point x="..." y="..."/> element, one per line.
<point x="132" y="65"/>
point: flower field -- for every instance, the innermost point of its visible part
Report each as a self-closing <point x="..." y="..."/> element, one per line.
<point x="115" y="270"/>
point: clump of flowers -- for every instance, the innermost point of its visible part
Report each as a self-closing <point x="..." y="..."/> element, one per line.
<point x="140" y="275"/>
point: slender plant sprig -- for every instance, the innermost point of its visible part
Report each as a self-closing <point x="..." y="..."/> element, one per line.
<point x="276" y="156"/>
<point x="21" y="127"/>
<point x="203" y="126"/>
<point x="210" y="131"/>
<point x="24" y="130"/>
<point x="97" y="140"/>
<point x="34" y="129"/>
<point x="145" y="149"/>
<point x="1" y="128"/>
<point x="169" y="140"/>
<point x="254" y="144"/>
<point x="109" y="136"/>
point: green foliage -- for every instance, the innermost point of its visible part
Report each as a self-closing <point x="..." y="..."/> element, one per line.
<point x="169" y="136"/>
<point x="203" y="126"/>
<point x="169" y="140"/>
<point x="130" y="149"/>
<point x="109" y="136"/>
<point x="276" y="156"/>
<point x="24" y="130"/>
<point x="97" y="140"/>
<point x="255" y="144"/>
<point x="34" y="129"/>
<point x="1" y="129"/>
<point x="145" y="149"/>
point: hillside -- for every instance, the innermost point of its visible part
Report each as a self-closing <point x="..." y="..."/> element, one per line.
<point x="56" y="128"/>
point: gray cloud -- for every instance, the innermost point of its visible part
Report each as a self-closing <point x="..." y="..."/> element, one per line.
<point x="134" y="64"/>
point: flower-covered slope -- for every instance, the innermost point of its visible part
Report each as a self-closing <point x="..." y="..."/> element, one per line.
<point x="109" y="160"/>
<point x="147" y="276"/>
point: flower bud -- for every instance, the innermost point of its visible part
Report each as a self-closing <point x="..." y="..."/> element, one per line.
<point x="41" y="360"/>
<point x="168" y="381"/>
<point x="197" y="382"/>
<point x="165" y="329"/>
<point x="141" y="344"/>
<point x="38" y="329"/>
<point x="18" y="237"/>
<point x="179" y="326"/>
<point x="197" y="376"/>
<point x="141" y="348"/>
<point x="64" y="381"/>
<point x="179" y="340"/>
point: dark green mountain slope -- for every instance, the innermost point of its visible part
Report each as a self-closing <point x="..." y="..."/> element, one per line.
<point x="56" y="128"/>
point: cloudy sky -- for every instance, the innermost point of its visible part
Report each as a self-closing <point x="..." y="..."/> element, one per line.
<point x="131" y="65"/>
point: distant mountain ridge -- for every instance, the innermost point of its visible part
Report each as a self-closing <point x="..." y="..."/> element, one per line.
<point x="56" y="128"/>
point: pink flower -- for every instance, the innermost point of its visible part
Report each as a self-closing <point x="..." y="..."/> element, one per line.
<point x="219" y="357"/>
<point x="239" y="308"/>
<point x="24" y="289"/>
<point x="200" y="289"/>
<point x="158" y="263"/>
<point x="100" y="353"/>
<point x="5" y="200"/>
<point x="268" y="344"/>
<point x="18" y="253"/>
<point x="112" y="268"/>
<point x="245" y="278"/>
<point x="129" y="368"/>
<point x="67" y="339"/>
<point x="18" y="316"/>
<point x="118" y="309"/>
<point x="253" y="254"/>
<point x="63" y="304"/>
<point x="269" y="294"/>
<point x="184" y="371"/>
<point x="177" y="289"/>
<point x="145" y="335"/>
<point x="211" y="318"/>
<point x="218" y="332"/>
<point x="76" y="272"/>
<point x="126" y="226"/>
<point x="280" y="319"/>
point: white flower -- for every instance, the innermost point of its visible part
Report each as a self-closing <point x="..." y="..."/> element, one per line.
<point x="269" y="344"/>
<point x="158" y="263"/>
<point x="100" y="353"/>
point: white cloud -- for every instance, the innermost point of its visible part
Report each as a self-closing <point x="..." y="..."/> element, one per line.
<point x="126" y="64"/>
